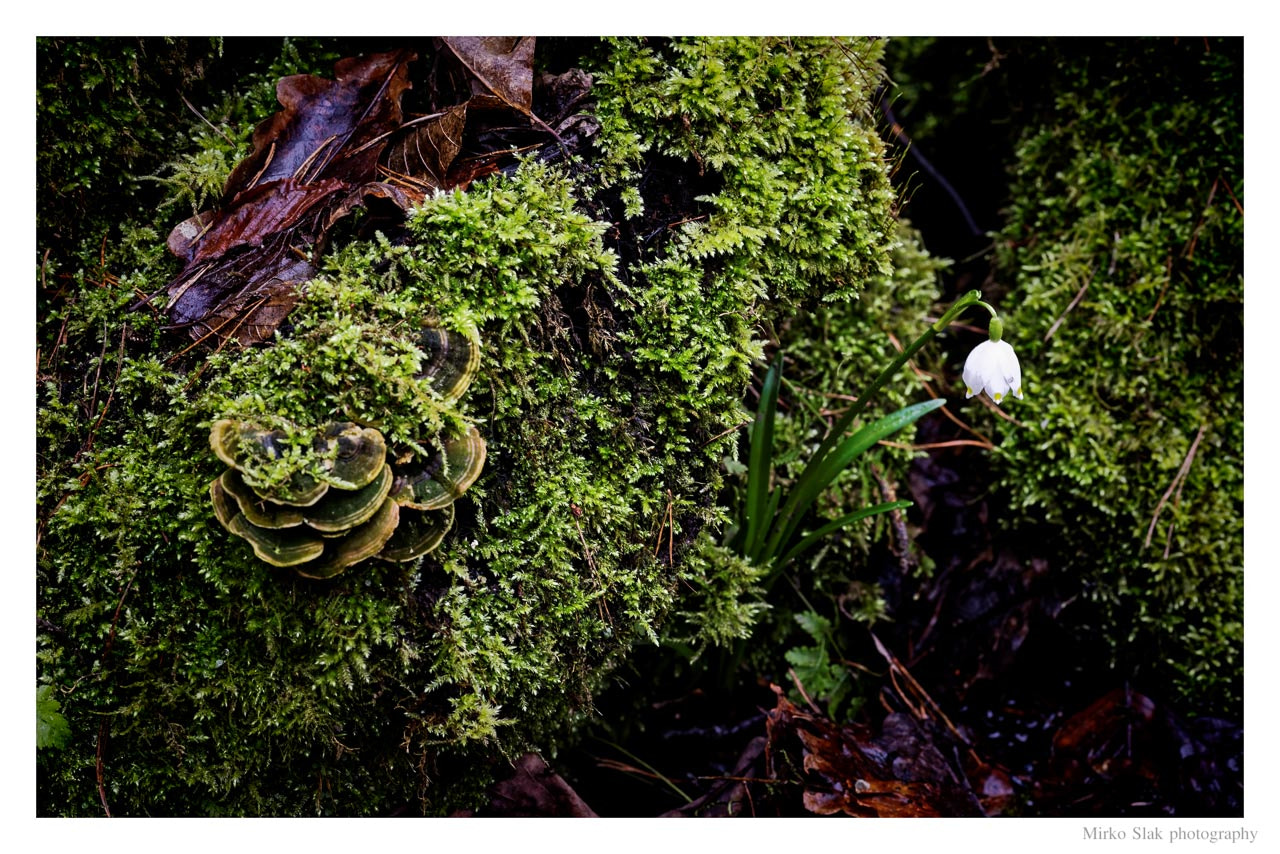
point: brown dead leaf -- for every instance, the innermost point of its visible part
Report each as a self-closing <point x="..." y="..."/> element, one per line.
<point x="328" y="128"/>
<point x="309" y="167"/>
<point x="846" y="770"/>
<point x="245" y="261"/>
<point x="423" y="155"/>
<point x="534" y="789"/>
<point x="336" y="146"/>
<point x="243" y="294"/>
<point x="1099" y="740"/>
<point x="502" y="64"/>
<point x="257" y="214"/>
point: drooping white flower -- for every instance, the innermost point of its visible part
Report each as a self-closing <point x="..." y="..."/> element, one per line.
<point x="993" y="367"/>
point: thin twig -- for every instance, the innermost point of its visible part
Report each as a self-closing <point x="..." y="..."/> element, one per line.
<point x="803" y="693"/>
<point x="1079" y="296"/>
<point x="300" y="173"/>
<point x="889" y="494"/>
<point x="213" y="330"/>
<point x="97" y="375"/>
<point x="1195" y="233"/>
<point x="1239" y="207"/>
<point x="110" y="395"/>
<point x="994" y="407"/>
<point x="383" y="136"/>
<point x="897" y="130"/>
<point x="983" y="441"/>
<point x="671" y="529"/>
<point x="1177" y="480"/>
<point x="666" y="521"/>
<point x="1168" y="277"/>
<point x="102" y="789"/>
<point x="896" y="668"/>
<point x="649" y="770"/>
<point x="211" y="125"/>
<point x="1168" y="540"/>
<point x="725" y="433"/>
<point x="605" y="617"/>
<point x="271" y="154"/>
<point x="929" y="446"/>
<point x="102" y="727"/>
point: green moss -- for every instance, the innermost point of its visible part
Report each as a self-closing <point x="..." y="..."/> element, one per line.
<point x="832" y="353"/>
<point x="612" y="374"/>
<point x="1130" y="199"/>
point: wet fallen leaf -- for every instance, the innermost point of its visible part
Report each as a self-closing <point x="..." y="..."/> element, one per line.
<point x="503" y="65"/>
<point x="335" y="146"/>
<point x="244" y="262"/>
<point x="424" y="154"/>
<point x="328" y="128"/>
<point x="846" y="770"/>
<point x="1100" y="739"/>
<point x="533" y="789"/>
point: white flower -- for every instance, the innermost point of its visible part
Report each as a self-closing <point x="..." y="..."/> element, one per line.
<point x="993" y="367"/>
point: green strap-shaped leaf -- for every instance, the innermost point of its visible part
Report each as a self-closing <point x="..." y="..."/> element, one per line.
<point x="811" y="539"/>
<point x="760" y="463"/>
<point x="818" y="475"/>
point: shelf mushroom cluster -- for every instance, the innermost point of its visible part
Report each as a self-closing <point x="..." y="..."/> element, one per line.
<point x="361" y="503"/>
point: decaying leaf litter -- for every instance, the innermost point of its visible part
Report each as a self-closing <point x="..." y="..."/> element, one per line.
<point x="340" y="146"/>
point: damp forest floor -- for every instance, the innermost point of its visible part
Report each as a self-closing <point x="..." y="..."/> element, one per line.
<point x="985" y="707"/>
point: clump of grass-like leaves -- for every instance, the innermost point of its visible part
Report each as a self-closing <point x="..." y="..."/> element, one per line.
<point x="769" y="532"/>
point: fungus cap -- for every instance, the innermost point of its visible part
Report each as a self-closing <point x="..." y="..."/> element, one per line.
<point x="359" y="544"/>
<point x="343" y="509"/>
<point x="445" y="476"/>
<point x="451" y="360"/>
<point x="418" y="533"/>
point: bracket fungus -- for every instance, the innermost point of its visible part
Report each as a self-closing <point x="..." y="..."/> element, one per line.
<point x="451" y="361"/>
<point x="324" y="499"/>
<point x="438" y="481"/>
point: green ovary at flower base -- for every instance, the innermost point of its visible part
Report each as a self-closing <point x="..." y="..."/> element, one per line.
<point x="993" y="367"/>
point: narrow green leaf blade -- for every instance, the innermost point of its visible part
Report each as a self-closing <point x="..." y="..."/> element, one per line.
<point x="819" y="475"/>
<point x="760" y="462"/>
<point x="812" y="539"/>
<point x="771" y="513"/>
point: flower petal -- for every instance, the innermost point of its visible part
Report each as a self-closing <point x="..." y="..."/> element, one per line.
<point x="993" y="367"/>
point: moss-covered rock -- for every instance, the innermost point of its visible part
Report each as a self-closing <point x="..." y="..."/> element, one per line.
<point x="1123" y="257"/>
<point x="620" y="303"/>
